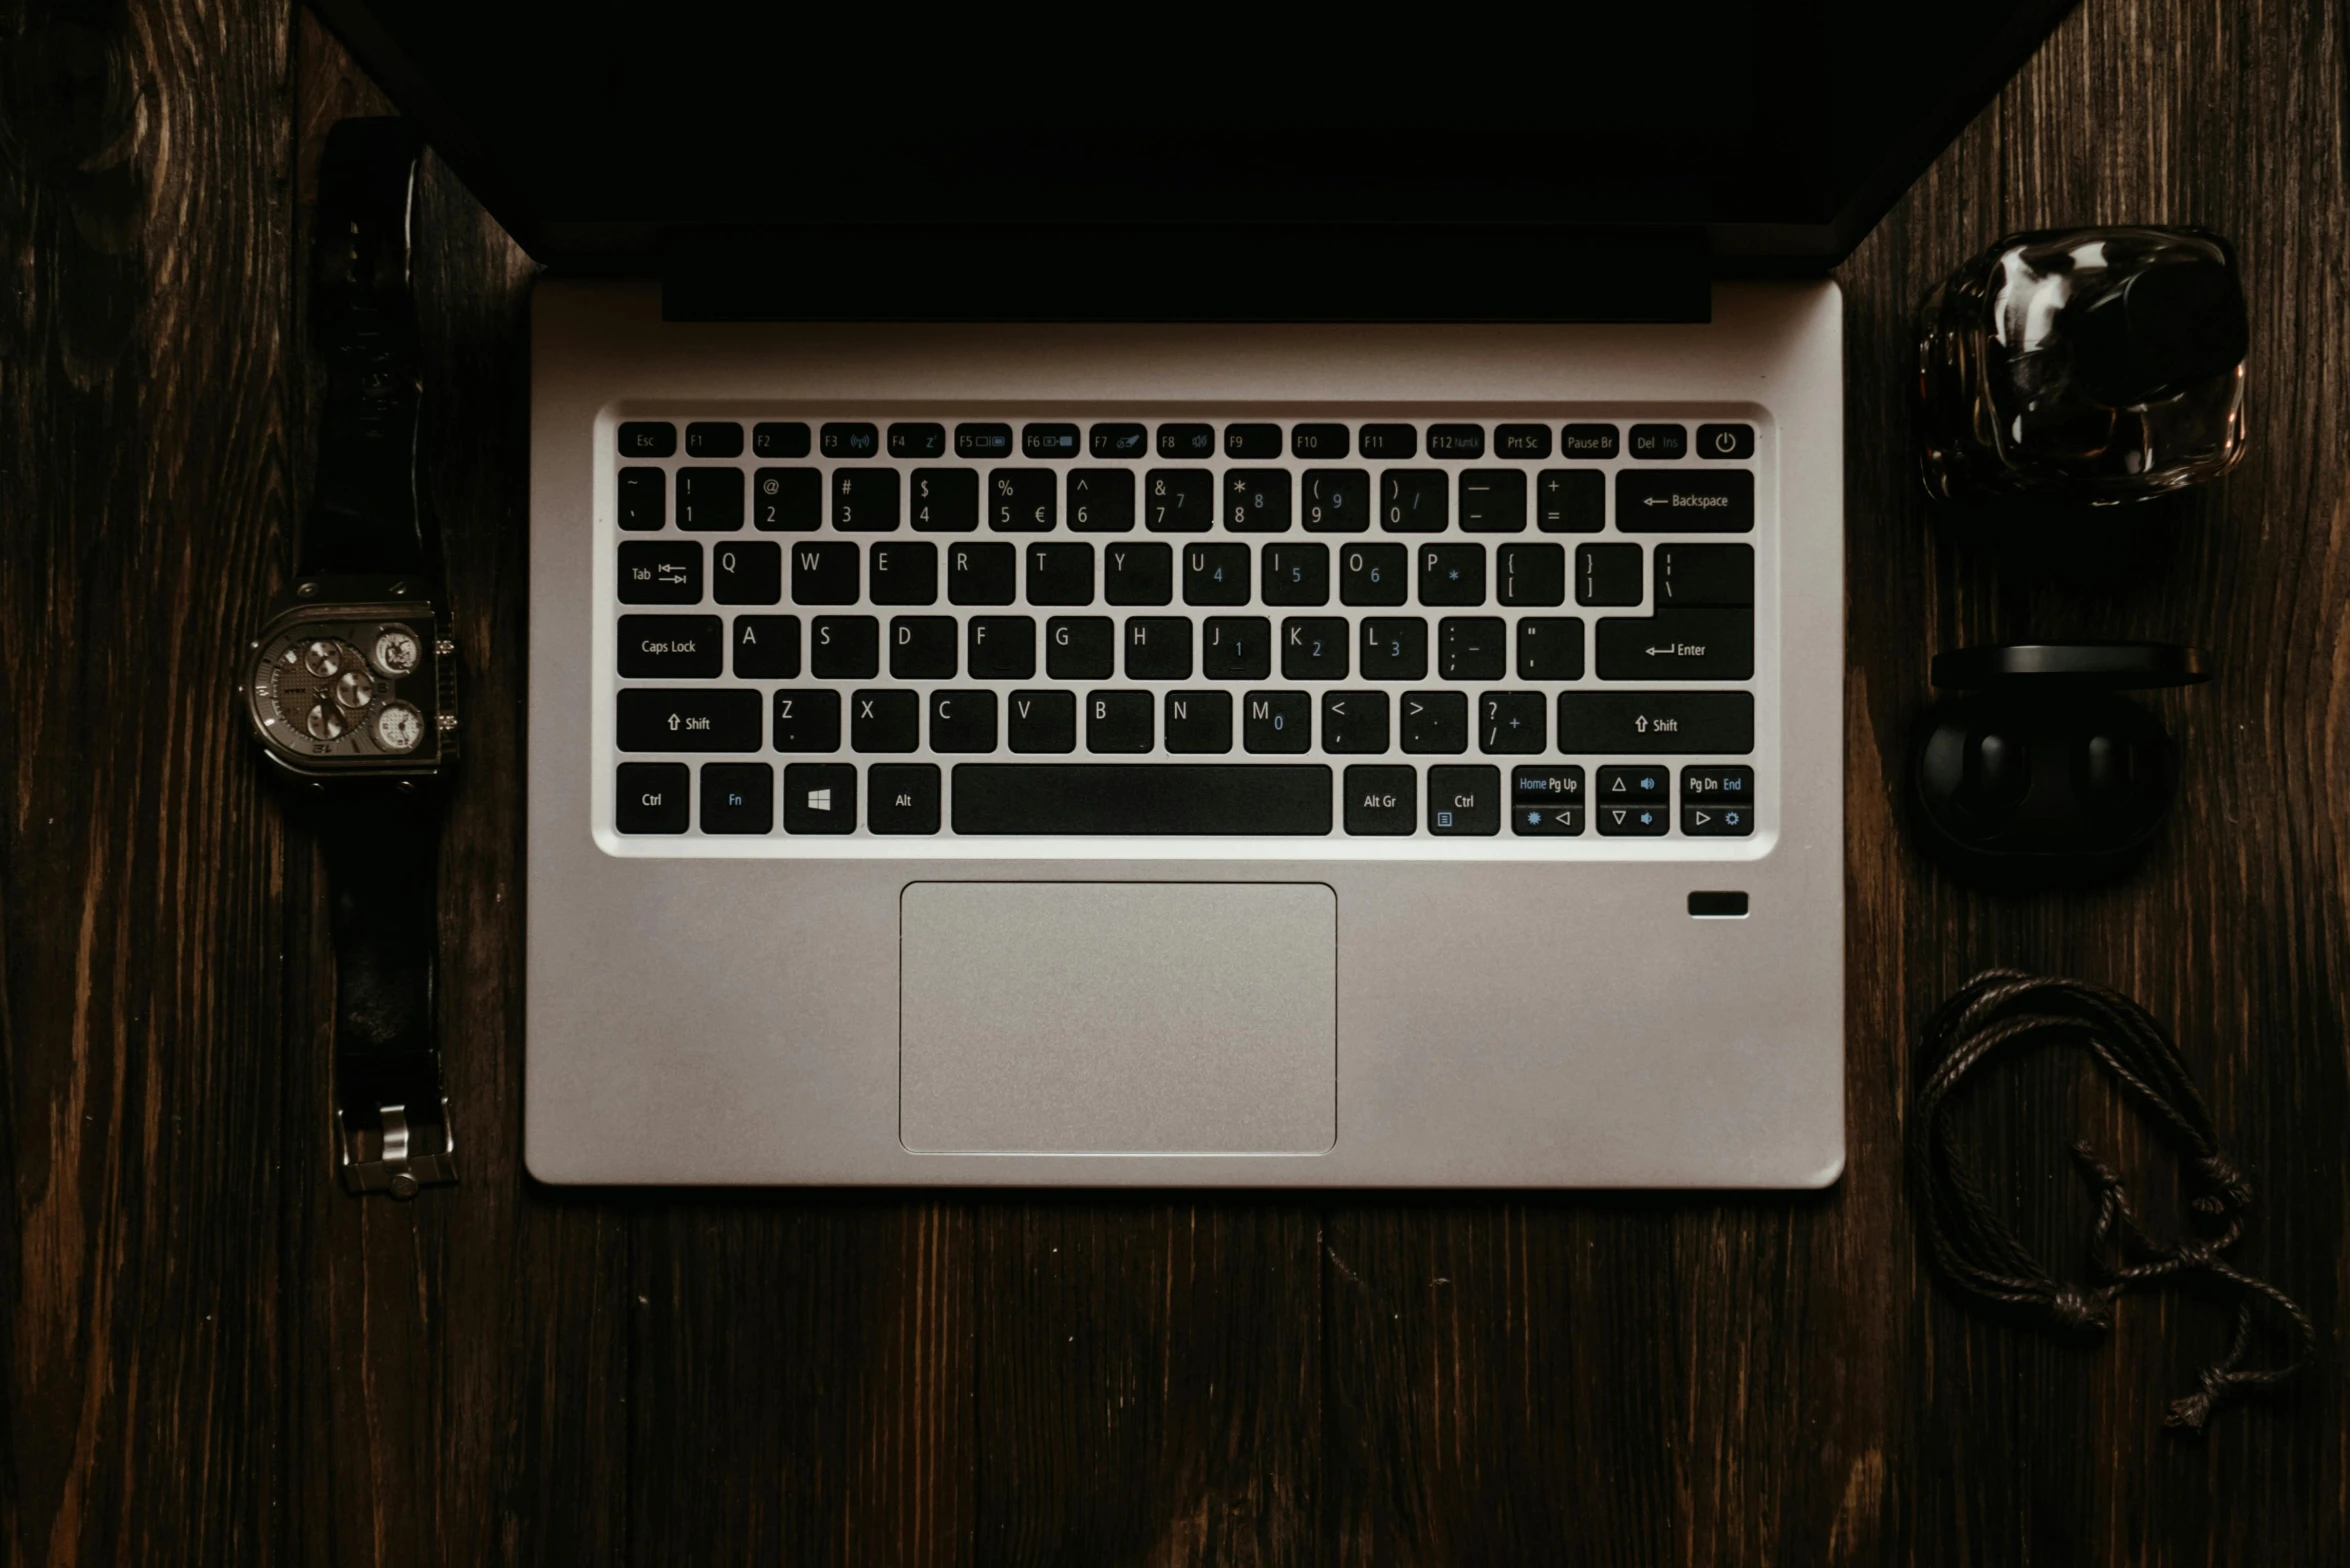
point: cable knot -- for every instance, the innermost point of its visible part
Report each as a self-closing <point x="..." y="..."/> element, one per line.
<point x="2192" y="1410"/>
<point x="2076" y="1311"/>
<point x="2223" y="1177"/>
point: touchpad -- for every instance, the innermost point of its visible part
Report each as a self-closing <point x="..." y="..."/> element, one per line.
<point x="1118" y="1018"/>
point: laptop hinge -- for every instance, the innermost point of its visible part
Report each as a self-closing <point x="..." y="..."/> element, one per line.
<point x="1183" y="272"/>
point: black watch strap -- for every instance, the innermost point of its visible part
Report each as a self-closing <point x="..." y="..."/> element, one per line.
<point x="381" y="842"/>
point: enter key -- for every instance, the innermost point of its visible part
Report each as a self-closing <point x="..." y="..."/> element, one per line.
<point x="1678" y="645"/>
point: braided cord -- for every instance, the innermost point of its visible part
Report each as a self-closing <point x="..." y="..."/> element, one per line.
<point x="2004" y="1009"/>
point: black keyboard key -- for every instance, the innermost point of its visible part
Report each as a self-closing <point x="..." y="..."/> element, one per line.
<point x="648" y="438"/>
<point x="1296" y="575"/>
<point x="1452" y="574"/>
<point x="1704" y="575"/>
<point x="1414" y="500"/>
<point x="1530" y="576"/>
<point x="710" y="500"/>
<point x="917" y="440"/>
<point x="644" y="499"/>
<point x="1042" y="721"/>
<point x="1277" y="723"/>
<point x="820" y="797"/>
<point x="1714" y="820"/>
<point x="1725" y="441"/>
<point x="1199" y="723"/>
<point x="1187" y="441"/>
<point x="750" y="573"/>
<point x="883" y="719"/>
<point x="1021" y="500"/>
<point x="1319" y="443"/>
<point x="738" y="797"/>
<point x="1138" y="574"/>
<point x="1117" y="721"/>
<point x="824" y="572"/>
<point x="1677" y="645"/>
<point x="1236" y="648"/>
<point x="1252" y="442"/>
<point x="1607" y="574"/>
<point x="945" y="500"/>
<point x="1550" y="648"/>
<point x="1464" y="801"/>
<point x="1314" y="648"/>
<point x="865" y="500"/>
<point x="848" y="439"/>
<point x="1337" y="500"/>
<point x="1659" y="443"/>
<point x="688" y="718"/>
<point x="982" y="574"/>
<point x="1158" y="648"/>
<point x="844" y="647"/>
<point x="905" y="573"/>
<point x="1591" y="443"/>
<point x="713" y="438"/>
<point x="1640" y="723"/>
<point x="1215" y="574"/>
<point x="983" y="440"/>
<point x="1644" y="785"/>
<point x="1221" y="799"/>
<point x="1632" y="821"/>
<point x="1521" y="441"/>
<point x="788" y="438"/>
<point x="1436" y="722"/>
<point x="1179" y="500"/>
<point x="1493" y="501"/>
<point x="1570" y="501"/>
<point x="787" y="500"/>
<point x="670" y="647"/>
<point x="903" y="797"/>
<point x="1116" y="441"/>
<point x="962" y="722"/>
<point x="766" y="647"/>
<point x="1080" y="647"/>
<point x="1390" y="443"/>
<point x="1512" y="723"/>
<point x="1456" y="443"/>
<point x="1049" y="441"/>
<point x="1382" y="799"/>
<point x="1718" y="785"/>
<point x="1354" y="722"/>
<point x="922" y="647"/>
<point x="1002" y="648"/>
<point x="1060" y="574"/>
<point x="664" y="571"/>
<point x="1395" y="648"/>
<point x="1546" y="802"/>
<point x="807" y="720"/>
<point x="1256" y="500"/>
<point x="651" y="797"/>
<point x="1373" y="574"/>
<point x="1472" y="648"/>
<point x="1101" y="500"/>
<point x="1685" y="501"/>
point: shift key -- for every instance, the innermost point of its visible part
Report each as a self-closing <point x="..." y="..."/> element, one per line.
<point x="656" y="718"/>
<point x="1629" y="723"/>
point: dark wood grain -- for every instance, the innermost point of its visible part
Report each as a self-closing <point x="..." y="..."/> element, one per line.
<point x="211" y="1356"/>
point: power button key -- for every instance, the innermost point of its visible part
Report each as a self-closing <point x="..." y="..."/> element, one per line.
<point x="1725" y="441"/>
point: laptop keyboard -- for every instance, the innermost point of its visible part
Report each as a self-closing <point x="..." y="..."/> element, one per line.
<point x="1307" y="627"/>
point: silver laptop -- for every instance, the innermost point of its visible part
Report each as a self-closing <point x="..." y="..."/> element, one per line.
<point x="1164" y="654"/>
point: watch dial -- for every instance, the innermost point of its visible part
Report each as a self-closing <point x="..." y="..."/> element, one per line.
<point x="330" y="690"/>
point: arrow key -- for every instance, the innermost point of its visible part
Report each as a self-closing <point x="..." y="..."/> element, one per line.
<point x="1632" y="821"/>
<point x="1636" y="786"/>
<point x="1715" y="820"/>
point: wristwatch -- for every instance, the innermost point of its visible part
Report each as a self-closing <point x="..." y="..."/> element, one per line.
<point x="351" y="683"/>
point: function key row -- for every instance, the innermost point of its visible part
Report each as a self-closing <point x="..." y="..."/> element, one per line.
<point x="1378" y="800"/>
<point x="1245" y="440"/>
<point x="878" y="499"/>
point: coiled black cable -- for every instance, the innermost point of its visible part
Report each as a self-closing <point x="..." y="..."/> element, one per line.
<point x="2003" y="1009"/>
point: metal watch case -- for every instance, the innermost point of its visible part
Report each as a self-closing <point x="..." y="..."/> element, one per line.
<point x="354" y="678"/>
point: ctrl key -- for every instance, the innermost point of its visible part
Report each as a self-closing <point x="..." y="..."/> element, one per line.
<point x="651" y="797"/>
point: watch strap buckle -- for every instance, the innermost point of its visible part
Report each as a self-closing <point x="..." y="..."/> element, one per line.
<point x="397" y="1156"/>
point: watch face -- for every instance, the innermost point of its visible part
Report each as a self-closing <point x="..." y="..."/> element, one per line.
<point x="350" y="689"/>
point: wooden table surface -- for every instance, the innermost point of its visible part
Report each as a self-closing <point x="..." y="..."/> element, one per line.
<point x="212" y="1355"/>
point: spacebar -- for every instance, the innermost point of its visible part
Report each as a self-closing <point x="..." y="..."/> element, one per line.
<point x="1142" y="797"/>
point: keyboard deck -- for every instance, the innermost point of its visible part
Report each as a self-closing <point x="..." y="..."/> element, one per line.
<point x="1321" y="628"/>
